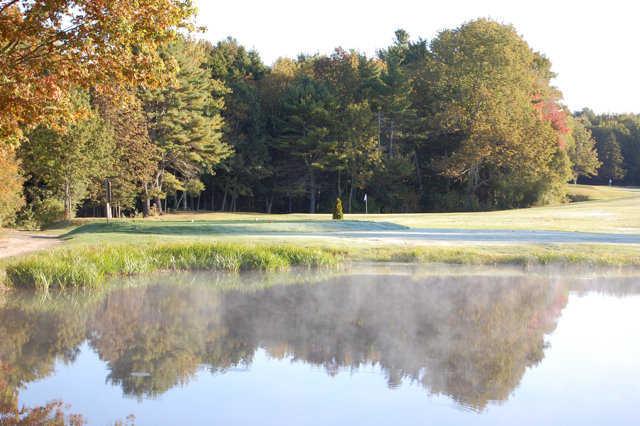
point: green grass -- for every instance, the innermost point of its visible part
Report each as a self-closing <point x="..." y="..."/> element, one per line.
<point x="93" y="265"/>
<point x="609" y="210"/>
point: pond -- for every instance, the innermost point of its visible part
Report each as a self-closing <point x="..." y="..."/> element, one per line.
<point x="373" y="345"/>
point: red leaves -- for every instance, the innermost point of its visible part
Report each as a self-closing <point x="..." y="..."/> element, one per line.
<point x="553" y="113"/>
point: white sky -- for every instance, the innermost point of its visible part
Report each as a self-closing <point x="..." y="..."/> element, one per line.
<point x="594" y="45"/>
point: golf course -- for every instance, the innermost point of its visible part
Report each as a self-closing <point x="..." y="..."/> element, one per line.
<point x="603" y="229"/>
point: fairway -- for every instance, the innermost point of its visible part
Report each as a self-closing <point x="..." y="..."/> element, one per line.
<point x="614" y="211"/>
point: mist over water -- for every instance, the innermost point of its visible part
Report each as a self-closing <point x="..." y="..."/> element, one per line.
<point x="370" y="345"/>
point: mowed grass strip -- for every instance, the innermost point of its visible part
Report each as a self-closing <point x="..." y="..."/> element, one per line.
<point x="90" y="266"/>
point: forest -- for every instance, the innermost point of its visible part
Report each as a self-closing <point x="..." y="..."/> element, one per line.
<point x="99" y="102"/>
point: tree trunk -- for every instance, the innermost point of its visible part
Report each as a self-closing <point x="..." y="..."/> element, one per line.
<point x="418" y="173"/>
<point x="67" y="200"/>
<point x="350" y="196"/>
<point x="269" y="204"/>
<point x="185" y="201"/>
<point x="474" y="179"/>
<point x="146" y="203"/>
<point x="391" y="141"/>
<point x="312" y="192"/>
<point x="224" y="201"/>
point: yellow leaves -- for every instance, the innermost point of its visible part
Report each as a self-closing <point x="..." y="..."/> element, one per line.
<point x="10" y="183"/>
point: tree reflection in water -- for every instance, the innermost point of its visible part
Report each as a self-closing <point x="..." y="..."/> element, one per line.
<point x="468" y="337"/>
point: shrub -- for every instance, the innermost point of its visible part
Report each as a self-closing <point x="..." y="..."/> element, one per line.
<point x="338" y="214"/>
<point x="41" y="213"/>
<point x="49" y="211"/>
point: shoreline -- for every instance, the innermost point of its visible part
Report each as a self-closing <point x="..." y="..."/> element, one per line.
<point x="91" y="266"/>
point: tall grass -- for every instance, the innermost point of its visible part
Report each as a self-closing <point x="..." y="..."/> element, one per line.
<point x="92" y="265"/>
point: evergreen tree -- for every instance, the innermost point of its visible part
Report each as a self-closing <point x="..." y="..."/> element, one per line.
<point x="184" y="118"/>
<point x="306" y="132"/>
<point x="241" y="71"/>
<point x="611" y="156"/>
<point x="338" y="213"/>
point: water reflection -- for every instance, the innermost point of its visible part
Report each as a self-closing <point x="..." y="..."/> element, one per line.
<point x="469" y="337"/>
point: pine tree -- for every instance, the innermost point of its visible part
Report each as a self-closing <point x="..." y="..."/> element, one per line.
<point x="306" y="131"/>
<point x="241" y="71"/>
<point x="184" y="118"/>
<point x="611" y="156"/>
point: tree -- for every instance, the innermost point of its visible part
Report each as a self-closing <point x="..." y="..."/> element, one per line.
<point x="306" y="129"/>
<point x="350" y="78"/>
<point x="184" y="118"/>
<point x="11" y="199"/>
<point x="136" y="159"/>
<point x="66" y="162"/>
<point x="582" y="152"/>
<point x="611" y="156"/>
<point x="338" y="213"/>
<point x="492" y="103"/>
<point x="241" y="71"/>
<point x="50" y="47"/>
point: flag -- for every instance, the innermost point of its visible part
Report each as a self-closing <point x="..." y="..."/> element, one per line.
<point x="365" y="197"/>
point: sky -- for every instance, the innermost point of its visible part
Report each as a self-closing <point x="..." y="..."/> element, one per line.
<point x="593" y="45"/>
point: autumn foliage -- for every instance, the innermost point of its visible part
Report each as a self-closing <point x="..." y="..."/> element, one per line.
<point x="48" y="47"/>
<point x="10" y="184"/>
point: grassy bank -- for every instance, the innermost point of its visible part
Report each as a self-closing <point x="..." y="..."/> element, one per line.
<point x="93" y="265"/>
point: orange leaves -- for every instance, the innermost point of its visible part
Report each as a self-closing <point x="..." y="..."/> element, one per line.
<point x="49" y="47"/>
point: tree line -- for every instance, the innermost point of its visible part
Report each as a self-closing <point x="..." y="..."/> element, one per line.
<point x="467" y="121"/>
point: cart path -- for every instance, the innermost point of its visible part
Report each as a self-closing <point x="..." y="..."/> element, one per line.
<point x="473" y="236"/>
<point x="16" y="243"/>
<point x="19" y="243"/>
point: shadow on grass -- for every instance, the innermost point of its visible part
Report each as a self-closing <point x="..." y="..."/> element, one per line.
<point x="222" y="227"/>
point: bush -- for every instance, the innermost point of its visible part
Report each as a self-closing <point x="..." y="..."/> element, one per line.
<point x="338" y="214"/>
<point x="41" y="214"/>
<point x="49" y="211"/>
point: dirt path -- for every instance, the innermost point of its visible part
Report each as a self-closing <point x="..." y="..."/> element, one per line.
<point x="16" y="243"/>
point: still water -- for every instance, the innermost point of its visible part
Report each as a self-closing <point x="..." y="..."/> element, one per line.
<point x="374" y="345"/>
